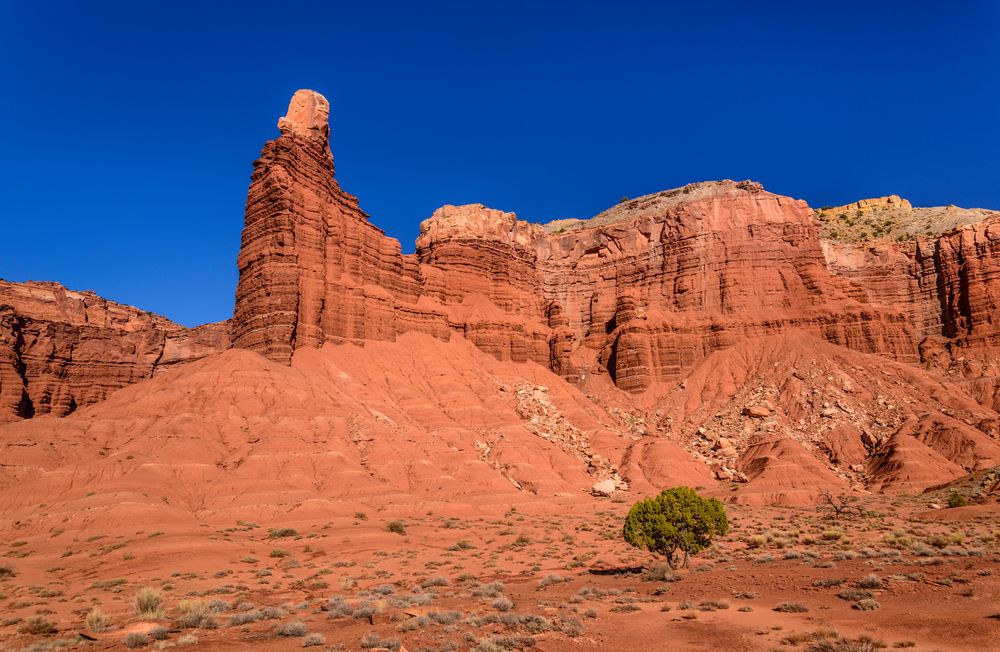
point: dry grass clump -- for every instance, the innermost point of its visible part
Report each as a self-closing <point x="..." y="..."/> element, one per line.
<point x="313" y="640"/>
<point x="791" y="608"/>
<point x="146" y="602"/>
<point x="549" y="580"/>
<point x="136" y="639"/>
<point x="254" y="615"/>
<point x="502" y="604"/>
<point x="372" y="640"/>
<point x="195" y="615"/>
<point x="713" y="605"/>
<point x="868" y="604"/>
<point x="440" y="580"/>
<point x="38" y="626"/>
<point x="159" y="633"/>
<point x="660" y="573"/>
<point x="294" y="628"/>
<point x="871" y="581"/>
<point x="96" y="621"/>
<point x="491" y="590"/>
<point x="840" y="644"/>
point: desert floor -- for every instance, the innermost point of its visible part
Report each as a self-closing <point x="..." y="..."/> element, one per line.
<point x="548" y="575"/>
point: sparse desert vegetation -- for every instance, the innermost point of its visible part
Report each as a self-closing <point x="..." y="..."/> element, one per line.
<point x="518" y="576"/>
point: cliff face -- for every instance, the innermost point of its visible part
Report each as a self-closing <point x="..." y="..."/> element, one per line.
<point x="640" y="292"/>
<point x="949" y="287"/>
<point x="312" y="268"/>
<point x="61" y="350"/>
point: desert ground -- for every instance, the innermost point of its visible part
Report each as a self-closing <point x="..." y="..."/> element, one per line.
<point x="554" y="575"/>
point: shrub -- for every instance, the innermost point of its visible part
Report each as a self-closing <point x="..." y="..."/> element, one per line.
<point x="660" y="573"/>
<point x="364" y="610"/>
<point x="677" y="519"/>
<point x="868" y="604"/>
<point x="313" y="640"/>
<point x="38" y="626"/>
<point x="491" y="590"/>
<point x="135" y="639"/>
<point x="871" y="581"/>
<point x="282" y="532"/>
<point x="444" y="617"/>
<point x="147" y="602"/>
<point x="503" y="604"/>
<point x="863" y="644"/>
<point x="337" y="607"/>
<point x="396" y="527"/>
<point x="194" y="615"/>
<point x="434" y="581"/>
<point x="159" y="633"/>
<point x="549" y="580"/>
<point x="791" y="608"/>
<point x="713" y="605"/>
<point x="296" y="628"/>
<point x="956" y="499"/>
<point x="571" y="627"/>
<point x="96" y="621"/>
<point x="373" y="640"/>
<point x="7" y="571"/>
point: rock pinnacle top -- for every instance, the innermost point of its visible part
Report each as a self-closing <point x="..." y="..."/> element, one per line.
<point x="308" y="115"/>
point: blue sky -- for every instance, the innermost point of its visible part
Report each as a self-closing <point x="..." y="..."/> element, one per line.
<point x="131" y="127"/>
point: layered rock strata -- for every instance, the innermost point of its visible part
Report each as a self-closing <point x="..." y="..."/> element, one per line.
<point x="641" y="292"/>
<point x="949" y="287"/>
<point x="61" y="350"/>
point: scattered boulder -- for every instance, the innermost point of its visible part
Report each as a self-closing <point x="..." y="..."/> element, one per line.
<point x="757" y="412"/>
<point x="603" y="488"/>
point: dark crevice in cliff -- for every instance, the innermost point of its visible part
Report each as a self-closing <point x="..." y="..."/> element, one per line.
<point x="947" y="318"/>
<point x="25" y="407"/>
<point x="613" y="362"/>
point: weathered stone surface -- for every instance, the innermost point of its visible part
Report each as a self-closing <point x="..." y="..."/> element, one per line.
<point x="757" y="411"/>
<point x="949" y="288"/>
<point x="641" y="292"/>
<point x="603" y="488"/>
<point x="312" y="267"/>
<point x="61" y="350"/>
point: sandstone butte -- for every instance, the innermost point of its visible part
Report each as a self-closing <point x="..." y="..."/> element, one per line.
<point x="704" y="335"/>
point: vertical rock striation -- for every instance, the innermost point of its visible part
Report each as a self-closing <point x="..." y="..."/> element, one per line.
<point x="949" y="288"/>
<point x="61" y="350"/>
<point x="641" y="292"/>
<point x="312" y="268"/>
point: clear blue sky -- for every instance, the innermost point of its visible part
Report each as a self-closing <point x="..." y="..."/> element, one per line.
<point x="131" y="127"/>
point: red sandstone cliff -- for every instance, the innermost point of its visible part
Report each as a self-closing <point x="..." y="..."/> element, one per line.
<point x="641" y="292"/>
<point x="750" y="348"/>
<point x="949" y="287"/>
<point x="60" y="349"/>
